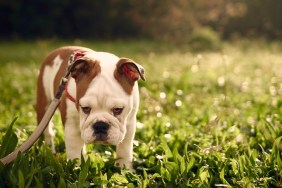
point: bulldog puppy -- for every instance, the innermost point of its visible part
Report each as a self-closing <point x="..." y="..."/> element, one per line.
<point x="100" y="101"/>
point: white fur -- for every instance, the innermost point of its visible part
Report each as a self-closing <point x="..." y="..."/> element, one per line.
<point x="49" y="75"/>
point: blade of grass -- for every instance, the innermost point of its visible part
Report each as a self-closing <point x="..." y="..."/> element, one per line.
<point x="10" y="140"/>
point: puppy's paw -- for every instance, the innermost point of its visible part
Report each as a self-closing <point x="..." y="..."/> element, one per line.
<point x="124" y="164"/>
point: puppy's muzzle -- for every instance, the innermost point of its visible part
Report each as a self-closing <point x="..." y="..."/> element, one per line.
<point x="101" y="130"/>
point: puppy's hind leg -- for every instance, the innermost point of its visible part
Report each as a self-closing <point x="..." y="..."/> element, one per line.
<point x="41" y="108"/>
<point x="49" y="134"/>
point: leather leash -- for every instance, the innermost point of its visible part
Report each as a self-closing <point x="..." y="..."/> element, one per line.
<point x="45" y="120"/>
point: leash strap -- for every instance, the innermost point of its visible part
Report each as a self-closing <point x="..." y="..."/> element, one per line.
<point x="46" y="118"/>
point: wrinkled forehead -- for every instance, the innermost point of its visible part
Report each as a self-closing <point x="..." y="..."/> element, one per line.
<point x="104" y="92"/>
<point x="103" y="95"/>
<point x="105" y="85"/>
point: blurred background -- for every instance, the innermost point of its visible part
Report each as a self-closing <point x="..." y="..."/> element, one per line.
<point x="177" y="20"/>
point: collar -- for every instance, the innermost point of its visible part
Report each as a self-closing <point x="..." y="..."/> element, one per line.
<point x="68" y="95"/>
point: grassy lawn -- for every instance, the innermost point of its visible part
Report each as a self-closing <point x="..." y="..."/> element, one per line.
<point x="206" y="119"/>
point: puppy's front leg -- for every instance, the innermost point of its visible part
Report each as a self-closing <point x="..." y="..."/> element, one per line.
<point x="73" y="141"/>
<point x="125" y="148"/>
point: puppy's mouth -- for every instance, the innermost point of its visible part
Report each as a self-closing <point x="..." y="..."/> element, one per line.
<point x="100" y="137"/>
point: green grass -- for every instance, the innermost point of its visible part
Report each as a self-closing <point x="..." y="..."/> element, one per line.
<point x="206" y="119"/>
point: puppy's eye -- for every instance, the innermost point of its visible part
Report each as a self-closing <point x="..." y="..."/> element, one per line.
<point x="86" y="110"/>
<point x="117" y="111"/>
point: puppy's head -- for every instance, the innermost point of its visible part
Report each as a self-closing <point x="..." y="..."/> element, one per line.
<point x="105" y="86"/>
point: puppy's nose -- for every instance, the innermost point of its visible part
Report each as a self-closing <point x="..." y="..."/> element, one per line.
<point x="100" y="127"/>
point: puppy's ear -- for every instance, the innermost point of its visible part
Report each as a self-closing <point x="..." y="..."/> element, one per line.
<point x="80" y="66"/>
<point x="127" y="72"/>
<point x="130" y="69"/>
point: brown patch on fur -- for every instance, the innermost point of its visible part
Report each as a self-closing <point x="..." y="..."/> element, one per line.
<point x="42" y="102"/>
<point x="63" y="108"/>
<point x="127" y="72"/>
<point x="91" y="70"/>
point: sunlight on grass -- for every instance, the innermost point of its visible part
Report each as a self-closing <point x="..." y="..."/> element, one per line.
<point x="206" y="119"/>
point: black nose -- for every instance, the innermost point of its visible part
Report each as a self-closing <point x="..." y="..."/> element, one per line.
<point x="100" y="127"/>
